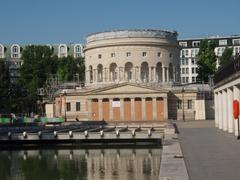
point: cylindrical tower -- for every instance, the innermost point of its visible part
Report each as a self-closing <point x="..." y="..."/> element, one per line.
<point x="141" y="56"/>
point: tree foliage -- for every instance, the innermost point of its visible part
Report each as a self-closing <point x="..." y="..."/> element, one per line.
<point x="206" y="60"/>
<point x="4" y="85"/>
<point x="68" y="68"/>
<point x="38" y="64"/>
<point x="225" y="58"/>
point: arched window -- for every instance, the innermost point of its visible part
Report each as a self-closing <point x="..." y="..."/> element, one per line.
<point x="77" y="50"/>
<point x="15" y="51"/>
<point x="128" y="71"/>
<point x="1" y="51"/>
<point x="159" y="72"/>
<point x="144" y="72"/>
<point x="113" y="71"/>
<point x="62" y="50"/>
<point x="100" y="73"/>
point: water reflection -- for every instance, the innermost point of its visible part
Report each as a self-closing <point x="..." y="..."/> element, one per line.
<point x="80" y="164"/>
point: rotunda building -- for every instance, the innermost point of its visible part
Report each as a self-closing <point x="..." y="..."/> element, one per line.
<point x="136" y="56"/>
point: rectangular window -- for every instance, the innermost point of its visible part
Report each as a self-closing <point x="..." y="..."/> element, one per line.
<point x="195" y="43"/>
<point x="193" y="61"/>
<point x="186" y="52"/>
<point x="193" y="70"/>
<point x="183" y="70"/>
<point x="236" y="41"/>
<point x="159" y="54"/>
<point x="144" y="54"/>
<point x="128" y="54"/>
<point x="68" y="106"/>
<point x="112" y="54"/>
<point x="183" y="61"/>
<point x="193" y="79"/>
<point x="187" y="70"/>
<point x="78" y="107"/>
<point x="183" y="79"/>
<point x="99" y="56"/>
<point x="223" y="42"/>
<point x="179" y="104"/>
<point x="183" y="44"/>
<point x="187" y="79"/>
<point x="186" y="61"/>
<point x="189" y="104"/>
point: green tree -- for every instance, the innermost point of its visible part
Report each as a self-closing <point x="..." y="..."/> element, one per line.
<point x="38" y="64"/>
<point x="68" y="67"/>
<point x="206" y="60"/>
<point x="4" y="85"/>
<point x="225" y="58"/>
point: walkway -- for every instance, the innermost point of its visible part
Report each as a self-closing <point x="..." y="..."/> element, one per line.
<point x="210" y="154"/>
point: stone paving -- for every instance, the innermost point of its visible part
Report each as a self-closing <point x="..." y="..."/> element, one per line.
<point x="209" y="153"/>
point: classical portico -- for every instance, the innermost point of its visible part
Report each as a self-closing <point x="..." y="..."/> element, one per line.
<point x="140" y="104"/>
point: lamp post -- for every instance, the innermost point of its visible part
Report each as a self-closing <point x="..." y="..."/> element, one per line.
<point x="65" y="106"/>
<point x="183" y="113"/>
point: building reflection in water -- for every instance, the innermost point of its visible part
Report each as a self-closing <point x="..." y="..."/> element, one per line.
<point x="80" y="164"/>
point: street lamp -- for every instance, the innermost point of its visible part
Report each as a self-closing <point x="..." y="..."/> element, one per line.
<point x="183" y="113"/>
<point x="65" y="106"/>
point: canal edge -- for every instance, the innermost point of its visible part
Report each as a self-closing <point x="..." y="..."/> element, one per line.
<point x="172" y="166"/>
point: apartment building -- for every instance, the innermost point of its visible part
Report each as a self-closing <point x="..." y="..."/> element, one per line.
<point x="190" y="49"/>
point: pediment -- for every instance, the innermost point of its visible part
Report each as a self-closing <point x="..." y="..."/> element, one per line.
<point x="123" y="89"/>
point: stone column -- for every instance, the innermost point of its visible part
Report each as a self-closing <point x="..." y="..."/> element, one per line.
<point x="132" y="109"/>
<point x="89" y="109"/>
<point x="230" y="110"/>
<point x="94" y="75"/>
<point x="163" y="74"/>
<point x="143" y="108"/>
<point x="154" y="74"/>
<point x="216" y="109"/>
<point x="103" y="74"/>
<point x="122" y="109"/>
<point x="174" y="74"/>
<point x="100" y="106"/>
<point x="165" y="110"/>
<point x="154" y="101"/>
<point x="110" y="109"/>
<point x="236" y="96"/>
<point x="107" y="75"/>
<point x="167" y="74"/>
<point x="149" y="74"/>
<point x="139" y="74"/>
<point x="220" y="110"/>
<point x="120" y="78"/>
<point x="87" y="77"/>
<point x="225" y="113"/>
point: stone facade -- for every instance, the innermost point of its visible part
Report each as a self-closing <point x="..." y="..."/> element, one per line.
<point x="132" y="55"/>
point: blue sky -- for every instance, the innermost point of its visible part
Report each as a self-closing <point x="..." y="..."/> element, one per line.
<point x="65" y="21"/>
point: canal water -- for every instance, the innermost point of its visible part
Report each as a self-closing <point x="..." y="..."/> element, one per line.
<point x="80" y="164"/>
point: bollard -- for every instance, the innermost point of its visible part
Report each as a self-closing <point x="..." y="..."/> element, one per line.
<point x="117" y="133"/>
<point x="55" y="133"/>
<point x="9" y="135"/>
<point x="25" y="134"/>
<point x="149" y="132"/>
<point x="70" y="134"/>
<point x="101" y="133"/>
<point x="39" y="134"/>
<point x="86" y="133"/>
<point x="133" y="133"/>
